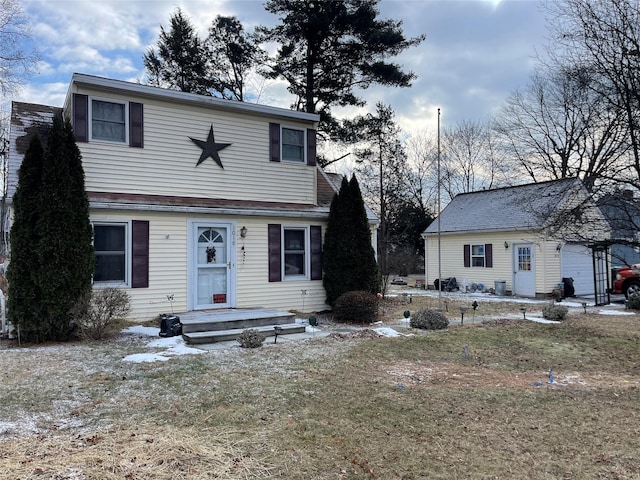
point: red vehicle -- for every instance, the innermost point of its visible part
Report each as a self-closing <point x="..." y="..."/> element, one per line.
<point x="627" y="280"/>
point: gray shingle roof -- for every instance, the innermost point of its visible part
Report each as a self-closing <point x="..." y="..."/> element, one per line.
<point x="523" y="207"/>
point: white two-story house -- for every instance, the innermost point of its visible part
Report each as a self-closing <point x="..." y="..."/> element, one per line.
<point x="196" y="202"/>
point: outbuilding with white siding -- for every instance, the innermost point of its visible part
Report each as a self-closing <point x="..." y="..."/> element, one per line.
<point x="525" y="238"/>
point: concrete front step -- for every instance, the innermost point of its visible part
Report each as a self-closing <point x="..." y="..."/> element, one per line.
<point x="234" y="333"/>
<point x="233" y="319"/>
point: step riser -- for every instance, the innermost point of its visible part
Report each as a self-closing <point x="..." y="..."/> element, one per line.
<point x="226" y="336"/>
<point x="231" y="324"/>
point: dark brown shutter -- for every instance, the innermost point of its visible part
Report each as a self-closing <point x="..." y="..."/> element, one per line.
<point x="316" y="252"/>
<point x="136" y="131"/>
<point x="274" y="142"/>
<point x="81" y="117"/>
<point x="140" y="254"/>
<point x="275" y="252"/>
<point x="467" y="255"/>
<point x="488" y="255"/>
<point x="311" y="147"/>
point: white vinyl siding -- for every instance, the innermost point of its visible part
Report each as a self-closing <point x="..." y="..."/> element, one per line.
<point x="167" y="291"/>
<point x="167" y="164"/>
<point x="547" y="259"/>
<point x="253" y="286"/>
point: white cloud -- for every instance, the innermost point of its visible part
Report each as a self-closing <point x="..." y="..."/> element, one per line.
<point x="475" y="53"/>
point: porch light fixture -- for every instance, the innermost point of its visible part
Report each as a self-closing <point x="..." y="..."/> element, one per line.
<point x="243" y="232"/>
<point x="558" y="247"/>
<point x="506" y="245"/>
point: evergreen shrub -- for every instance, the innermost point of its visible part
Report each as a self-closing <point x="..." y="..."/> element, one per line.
<point x="553" y="311"/>
<point x="633" y="302"/>
<point x="429" y="319"/>
<point x="251" y="338"/>
<point x="348" y="260"/>
<point x="356" y="307"/>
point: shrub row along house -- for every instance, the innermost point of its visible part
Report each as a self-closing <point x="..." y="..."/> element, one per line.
<point x="196" y="202"/>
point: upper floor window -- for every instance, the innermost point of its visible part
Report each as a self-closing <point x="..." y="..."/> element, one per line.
<point x="108" y="121"/>
<point x="293" y="145"/>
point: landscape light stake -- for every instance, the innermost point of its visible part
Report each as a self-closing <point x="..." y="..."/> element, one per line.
<point x="462" y="310"/>
<point x="278" y="331"/>
<point x="475" y="306"/>
<point x="584" y="305"/>
<point x="313" y="322"/>
<point x="523" y="309"/>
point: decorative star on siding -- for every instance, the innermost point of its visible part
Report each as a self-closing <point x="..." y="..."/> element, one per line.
<point x="210" y="148"/>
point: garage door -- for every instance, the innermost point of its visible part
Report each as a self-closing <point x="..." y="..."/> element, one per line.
<point x="577" y="263"/>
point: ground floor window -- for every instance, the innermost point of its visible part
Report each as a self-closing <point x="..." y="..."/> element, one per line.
<point x="477" y="255"/>
<point x="295" y="247"/>
<point x="295" y="252"/>
<point x="110" y="245"/>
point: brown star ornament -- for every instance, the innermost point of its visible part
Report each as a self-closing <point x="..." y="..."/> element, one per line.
<point x="210" y="148"/>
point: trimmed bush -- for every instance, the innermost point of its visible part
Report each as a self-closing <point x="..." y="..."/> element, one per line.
<point x="633" y="302"/>
<point x="251" y="338"/>
<point x="356" y="307"/>
<point x="97" y="314"/>
<point x="553" y="311"/>
<point x="429" y="319"/>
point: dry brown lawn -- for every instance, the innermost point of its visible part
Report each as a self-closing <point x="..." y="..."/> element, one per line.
<point x="470" y="402"/>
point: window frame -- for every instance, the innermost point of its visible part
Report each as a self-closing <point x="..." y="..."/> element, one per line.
<point x="306" y="252"/>
<point x="126" y="282"/>
<point x="125" y="106"/>
<point x="303" y="146"/>
<point x="474" y="256"/>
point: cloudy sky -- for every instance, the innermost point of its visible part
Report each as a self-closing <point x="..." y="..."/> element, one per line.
<point x="476" y="51"/>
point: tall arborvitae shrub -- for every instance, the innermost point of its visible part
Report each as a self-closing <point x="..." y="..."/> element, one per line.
<point x="349" y="261"/>
<point x="65" y="249"/>
<point x="23" y="302"/>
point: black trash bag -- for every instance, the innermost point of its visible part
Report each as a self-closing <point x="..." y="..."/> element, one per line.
<point x="569" y="290"/>
<point x="447" y="284"/>
<point x="170" y="325"/>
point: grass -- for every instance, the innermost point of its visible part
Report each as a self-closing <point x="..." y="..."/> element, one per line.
<point x="468" y="402"/>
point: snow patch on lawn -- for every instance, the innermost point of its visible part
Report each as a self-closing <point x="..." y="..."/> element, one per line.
<point x="387" y="332"/>
<point x="174" y="346"/>
<point x="615" y="312"/>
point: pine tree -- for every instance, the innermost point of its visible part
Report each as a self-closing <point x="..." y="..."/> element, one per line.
<point x="330" y="50"/>
<point x="180" y="63"/>
<point x="64" y="248"/>
<point x="24" y="311"/>
<point x="348" y="257"/>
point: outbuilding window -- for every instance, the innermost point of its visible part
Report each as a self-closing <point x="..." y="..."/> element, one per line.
<point x="479" y="255"/>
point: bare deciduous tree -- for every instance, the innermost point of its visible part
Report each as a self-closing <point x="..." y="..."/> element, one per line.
<point x="470" y="160"/>
<point x="17" y="60"/>
<point x="603" y="38"/>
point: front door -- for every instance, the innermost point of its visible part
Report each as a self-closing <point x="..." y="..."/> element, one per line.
<point x="212" y="273"/>
<point x="524" y="280"/>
